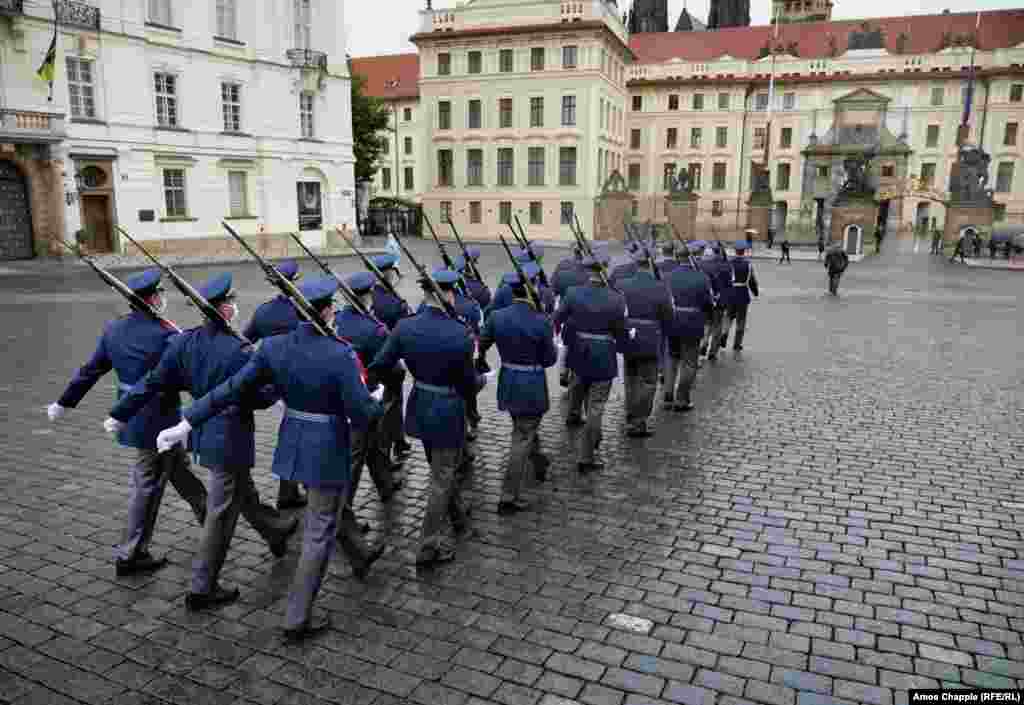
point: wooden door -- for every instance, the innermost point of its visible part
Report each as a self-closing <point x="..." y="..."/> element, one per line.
<point x="96" y="223"/>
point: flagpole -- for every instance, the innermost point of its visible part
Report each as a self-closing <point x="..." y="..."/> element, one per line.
<point x="56" y="35"/>
<point x="771" y="87"/>
<point x="965" y="127"/>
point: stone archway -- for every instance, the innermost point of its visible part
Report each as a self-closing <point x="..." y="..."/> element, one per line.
<point x="15" y="214"/>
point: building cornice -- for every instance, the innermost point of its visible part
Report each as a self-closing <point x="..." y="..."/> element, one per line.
<point x="504" y="31"/>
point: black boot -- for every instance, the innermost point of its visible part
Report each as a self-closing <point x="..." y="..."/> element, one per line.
<point x="289" y="496"/>
<point x="360" y="557"/>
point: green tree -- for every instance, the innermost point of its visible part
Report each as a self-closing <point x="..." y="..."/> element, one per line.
<point x="369" y="118"/>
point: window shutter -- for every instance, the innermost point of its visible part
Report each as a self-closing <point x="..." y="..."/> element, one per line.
<point x="236" y="187"/>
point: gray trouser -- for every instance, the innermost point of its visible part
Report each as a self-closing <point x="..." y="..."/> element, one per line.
<point x="641" y="383"/>
<point x="738" y="313"/>
<point x="524" y="446"/>
<point x="715" y="330"/>
<point x="563" y="370"/>
<point x="445" y="500"/>
<point x="232" y="491"/>
<point x="368" y="451"/>
<point x="594" y="395"/>
<point x="682" y="368"/>
<point x="392" y="426"/>
<point x="287" y="491"/>
<point x="150" y="475"/>
<point x="318" y="542"/>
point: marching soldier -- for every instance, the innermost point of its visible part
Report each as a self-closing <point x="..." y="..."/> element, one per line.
<point x="693" y="302"/>
<point x="390" y="310"/>
<point x="477" y="289"/>
<point x="197" y="361"/>
<point x="277" y="317"/>
<point x="320" y="380"/>
<point x="627" y="268"/>
<point x="668" y="263"/>
<point x="720" y="274"/>
<point x="438" y="351"/>
<point x="649" y="304"/>
<point x="569" y="273"/>
<point x="596" y="315"/>
<point x="503" y="296"/>
<point x="525" y="340"/>
<point x="130" y="346"/>
<point x="743" y="283"/>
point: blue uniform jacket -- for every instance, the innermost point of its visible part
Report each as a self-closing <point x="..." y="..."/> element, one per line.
<point x="587" y="311"/>
<point x="479" y="291"/>
<point x="275" y="317"/>
<point x="742" y="281"/>
<point x="691" y="292"/>
<point x="365" y="333"/>
<point x="319" y="380"/>
<point x="438" y="351"/>
<point x="525" y="339"/>
<point x="196" y="362"/>
<point x="650" y="313"/>
<point x="388" y="308"/>
<point x="623" y="271"/>
<point x="568" y="273"/>
<point x="721" y="278"/>
<point x="667" y="266"/>
<point x="131" y="346"/>
<point x="504" y="296"/>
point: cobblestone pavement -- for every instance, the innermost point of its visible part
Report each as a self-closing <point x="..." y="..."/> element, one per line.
<point x="838" y="521"/>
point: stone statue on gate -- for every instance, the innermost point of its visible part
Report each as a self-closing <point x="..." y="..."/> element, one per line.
<point x="968" y="179"/>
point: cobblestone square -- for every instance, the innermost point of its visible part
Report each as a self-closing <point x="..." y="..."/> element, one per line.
<point x="836" y="522"/>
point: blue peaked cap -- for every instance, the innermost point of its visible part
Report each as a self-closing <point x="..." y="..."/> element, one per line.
<point x="384" y="262"/>
<point x="511" y="279"/>
<point x="144" y="283"/>
<point x="319" y="289"/>
<point x="460" y="263"/>
<point x="742" y="245"/>
<point x="361" y="282"/>
<point x="445" y="278"/>
<point x="474" y="253"/>
<point x="289" y="268"/>
<point x="217" y="288"/>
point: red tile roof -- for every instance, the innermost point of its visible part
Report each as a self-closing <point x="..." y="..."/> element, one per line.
<point x="999" y="29"/>
<point x="380" y="70"/>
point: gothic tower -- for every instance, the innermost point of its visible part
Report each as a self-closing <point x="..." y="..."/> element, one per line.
<point x="648" y="16"/>
<point x="729" y="13"/>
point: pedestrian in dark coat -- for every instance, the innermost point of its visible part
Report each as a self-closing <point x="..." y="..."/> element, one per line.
<point x="836" y="262"/>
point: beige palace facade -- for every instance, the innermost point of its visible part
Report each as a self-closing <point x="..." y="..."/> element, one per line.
<point x="526" y="108"/>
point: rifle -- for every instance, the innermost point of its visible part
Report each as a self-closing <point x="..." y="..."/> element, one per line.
<point x="134" y="300"/>
<point x="301" y="304"/>
<point x="581" y="242"/>
<point x="529" y="248"/>
<point x="647" y="251"/>
<point x="445" y="257"/>
<point x="204" y="306"/>
<point x="432" y="285"/>
<point x="349" y="295"/>
<point x="527" y="284"/>
<point x="371" y="266"/>
<point x="470" y="264"/>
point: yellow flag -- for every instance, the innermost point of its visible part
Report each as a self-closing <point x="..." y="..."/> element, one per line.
<point x="49" y="65"/>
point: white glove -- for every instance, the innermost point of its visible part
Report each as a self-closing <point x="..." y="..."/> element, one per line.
<point x="112" y="425"/>
<point x="379" y="393"/>
<point x="491" y="375"/>
<point x="177" y="433"/>
<point x="55" y="411"/>
<point x="632" y="333"/>
<point x="280" y="406"/>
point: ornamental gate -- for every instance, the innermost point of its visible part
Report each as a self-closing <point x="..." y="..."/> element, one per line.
<point x="15" y="217"/>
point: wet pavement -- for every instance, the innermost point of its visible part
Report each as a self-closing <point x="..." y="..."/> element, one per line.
<point x="837" y="521"/>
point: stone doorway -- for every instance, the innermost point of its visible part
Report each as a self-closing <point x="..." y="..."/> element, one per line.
<point x="853" y="239"/>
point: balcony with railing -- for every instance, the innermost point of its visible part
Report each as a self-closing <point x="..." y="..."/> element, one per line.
<point x="31" y="126"/>
<point x="12" y="7"/>
<point x="307" y="59"/>
<point x="78" y="14"/>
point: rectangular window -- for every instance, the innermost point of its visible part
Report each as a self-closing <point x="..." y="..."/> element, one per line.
<point x="474" y="114"/>
<point x="537" y="59"/>
<point x="303" y="26"/>
<point x="474" y="167"/>
<point x="238" y="193"/>
<point x="506" y="61"/>
<point x="476" y="212"/>
<point x="782" y="177"/>
<point x="1004" y="177"/>
<point x="445" y="167"/>
<point x="567" y="211"/>
<point x="716" y="209"/>
<point x="385" y="179"/>
<point x="444" y="115"/>
<point x="633" y="180"/>
<point x="928" y="174"/>
<point x="535" y="164"/>
<point x="1017" y="92"/>
<point x="231" y="106"/>
<point x="638" y="103"/>
<point x="723" y="101"/>
<point x="408" y="145"/>
<point x="227" y="25"/>
<point x="409" y="183"/>
<point x="166" y="85"/>
<point x="174" y="193"/>
<point x="696" y="136"/>
<point x="698" y="101"/>
<point x="673" y="102"/>
<point x="446" y="211"/>
<point x="160" y="12"/>
<point x="789" y="101"/>
<point x="718" y="176"/>
<point x="568" y="110"/>
<point x="536" y="213"/>
<point x="444" y="64"/>
<point x="504" y="212"/>
<point x="823" y="172"/>
<point x="671" y="138"/>
<point x="761" y="101"/>
<point x="1010" y="135"/>
<point x="569" y="57"/>
<point x="786" y="138"/>
<point x="504" y="112"/>
<point x="668" y="176"/>
<point x="721" y="137"/>
<point x="407" y="114"/>
<point x="888" y="170"/>
<point x="536" y="112"/>
<point x="932" y="138"/>
<point x="760" y="137"/>
<point x="938" y="93"/>
<point x="80" y="88"/>
<point x="506" y="166"/>
<point x="696" y="171"/>
<point x="307" y="127"/>
<point x="475" y="62"/>
<point x="634" y="138"/>
<point x="566" y="166"/>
